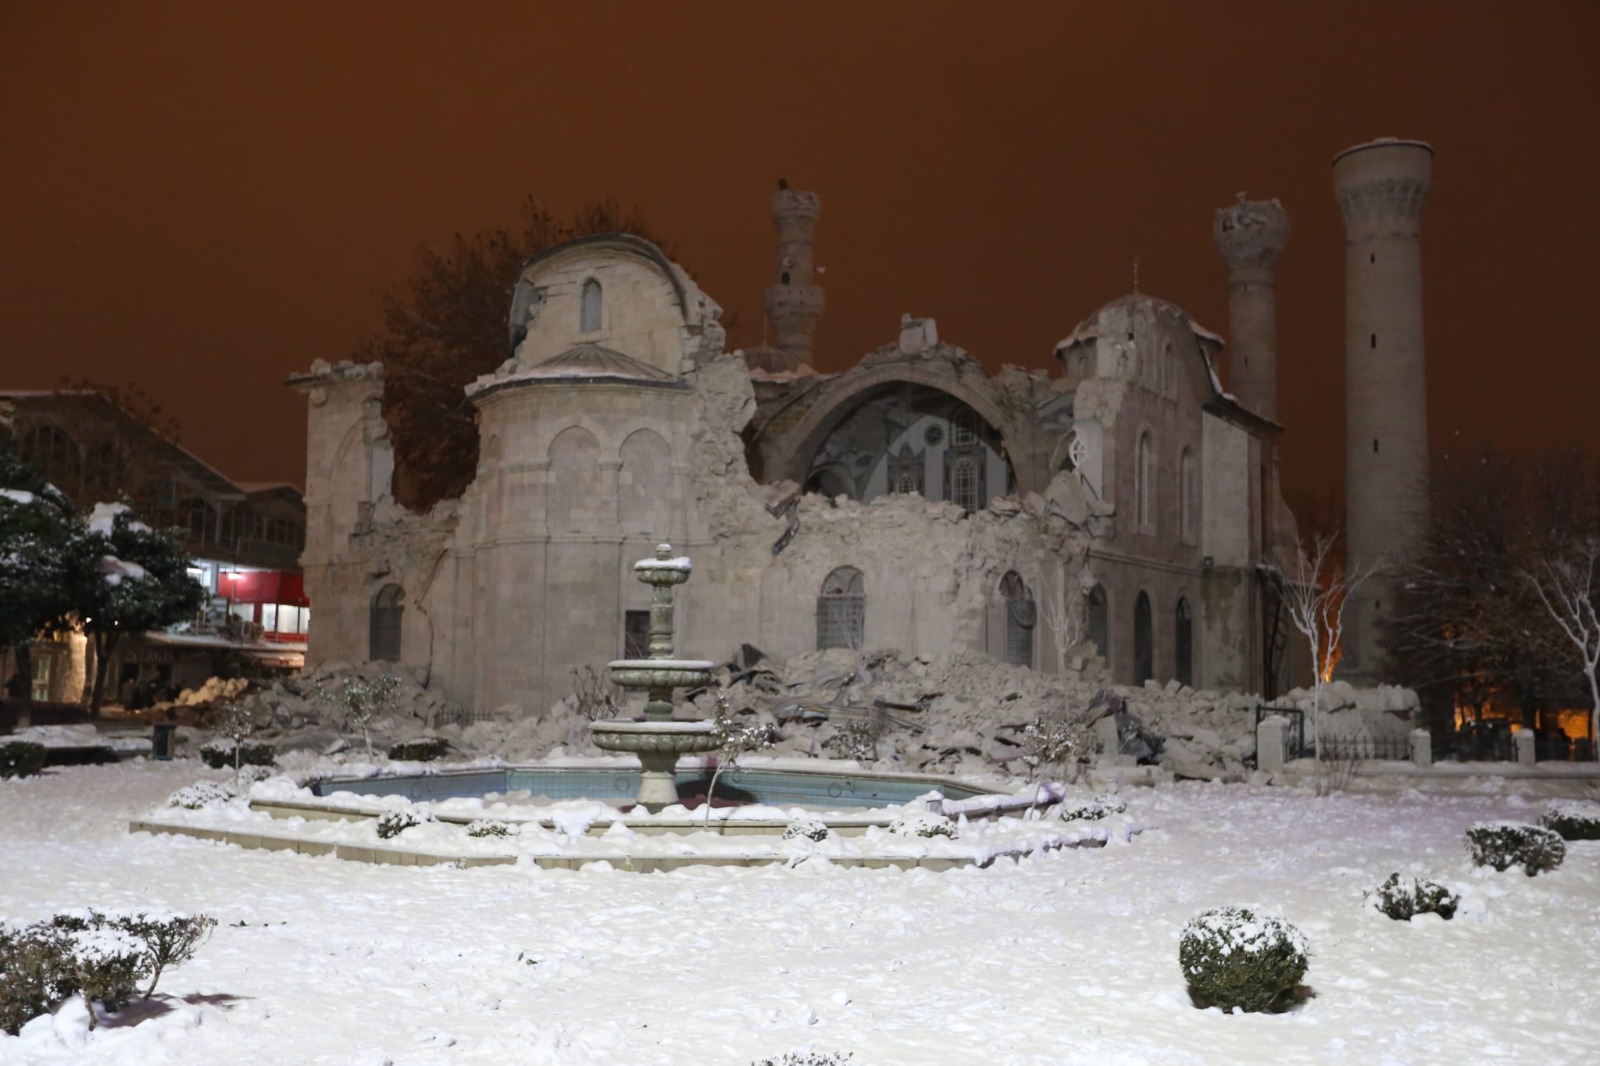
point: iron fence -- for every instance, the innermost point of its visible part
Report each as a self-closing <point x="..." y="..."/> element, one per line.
<point x="1358" y="748"/>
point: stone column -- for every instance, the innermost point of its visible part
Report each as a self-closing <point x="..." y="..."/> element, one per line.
<point x="1382" y="188"/>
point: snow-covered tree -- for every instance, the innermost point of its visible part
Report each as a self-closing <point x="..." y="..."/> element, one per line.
<point x="124" y="577"/>
<point x="1314" y="593"/>
<point x="1566" y="587"/>
<point x="36" y="525"/>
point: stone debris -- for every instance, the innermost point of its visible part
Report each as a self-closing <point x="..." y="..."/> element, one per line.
<point x="961" y="713"/>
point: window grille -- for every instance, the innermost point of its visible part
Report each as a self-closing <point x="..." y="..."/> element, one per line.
<point x="964" y="484"/>
<point x="842" y="610"/>
<point x="388" y="610"/>
<point x="1022" y="614"/>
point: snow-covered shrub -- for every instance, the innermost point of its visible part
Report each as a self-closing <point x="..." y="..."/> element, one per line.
<point x="222" y="754"/>
<point x="1573" y="819"/>
<point x="1092" y="810"/>
<point x="95" y="955"/>
<point x="1049" y="742"/>
<point x="202" y="794"/>
<point x="1402" y="902"/>
<point x="1506" y="844"/>
<point x="806" y="1057"/>
<point x="923" y="824"/>
<point x="21" y="758"/>
<point x="106" y="964"/>
<point x="1236" y="959"/>
<point x="854" y="740"/>
<point x="392" y="823"/>
<point x="34" y="974"/>
<point x="485" y="827"/>
<point x="169" y="939"/>
<point x="420" y="749"/>
<point x="807" y="826"/>
<point x="361" y="701"/>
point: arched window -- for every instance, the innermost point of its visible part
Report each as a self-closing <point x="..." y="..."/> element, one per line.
<point x="388" y="609"/>
<point x="1100" y="622"/>
<point x="1187" y="493"/>
<point x="842" y="610"/>
<point x="589" y="314"/>
<point x="52" y="451"/>
<point x="1144" y="660"/>
<point x="1144" y="482"/>
<point x="1183" y="642"/>
<point x="1021" y="615"/>
<point x="964" y="484"/>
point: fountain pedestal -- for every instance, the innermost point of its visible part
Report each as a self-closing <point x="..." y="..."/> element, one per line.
<point x="658" y="739"/>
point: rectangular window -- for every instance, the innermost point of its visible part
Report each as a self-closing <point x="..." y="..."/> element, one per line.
<point x="269" y="617"/>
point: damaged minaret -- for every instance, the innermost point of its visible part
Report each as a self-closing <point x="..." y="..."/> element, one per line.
<point x="1250" y="235"/>
<point x="1382" y="188"/>
<point x="794" y="304"/>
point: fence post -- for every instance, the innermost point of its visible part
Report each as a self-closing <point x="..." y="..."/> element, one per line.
<point x="1270" y="743"/>
<point x="1524" y="741"/>
<point x="1421" y="748"/>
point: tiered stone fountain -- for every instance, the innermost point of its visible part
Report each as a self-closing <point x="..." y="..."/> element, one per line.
<point x="658" y="738"/>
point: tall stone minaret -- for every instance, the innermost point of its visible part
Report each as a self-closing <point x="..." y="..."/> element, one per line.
<point x="795" y="304"/>
<point x="1381" y="188"/>
<point x="1250" y="235"/>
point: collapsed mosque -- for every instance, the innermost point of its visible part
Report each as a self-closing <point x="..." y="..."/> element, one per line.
<point x="1120" y="516"/>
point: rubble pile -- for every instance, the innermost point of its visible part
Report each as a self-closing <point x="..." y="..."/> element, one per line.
<point x="961" y="713"/>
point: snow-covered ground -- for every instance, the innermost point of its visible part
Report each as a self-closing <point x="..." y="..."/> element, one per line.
<point x="1070" y="957"/>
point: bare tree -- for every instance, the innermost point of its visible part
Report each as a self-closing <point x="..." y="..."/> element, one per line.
<point x="1064" y="616"/>
<point x="1315" y="594"/>
<point x="1566" y="587"/>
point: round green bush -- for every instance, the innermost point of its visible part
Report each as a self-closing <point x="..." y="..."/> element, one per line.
<point x="21" y="758"/>
<point x="1402" y="902"/>
<point x="1573" y="819"/>
<point x="1506" y="844"/>
<point x="1236" y="959"/>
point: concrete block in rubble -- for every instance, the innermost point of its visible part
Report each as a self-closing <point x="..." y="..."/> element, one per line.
<point x="1421" y="748"/>
<point x="1272" y="739"/>
<point x="1523" y="740"/>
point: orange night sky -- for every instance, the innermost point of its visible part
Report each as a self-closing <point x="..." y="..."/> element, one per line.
<point x="204" y="197"/>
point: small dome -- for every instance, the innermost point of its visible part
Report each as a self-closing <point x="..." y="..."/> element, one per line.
<point x="1089" y="328"/>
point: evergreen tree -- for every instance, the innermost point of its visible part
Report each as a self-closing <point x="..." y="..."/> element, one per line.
<point x="36" y="525"/>
<point x="124" y="577"/>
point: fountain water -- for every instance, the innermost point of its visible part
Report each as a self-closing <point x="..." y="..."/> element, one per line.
<point x="658" y="739"/>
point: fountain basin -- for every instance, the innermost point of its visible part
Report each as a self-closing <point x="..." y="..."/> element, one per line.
<point x="661" y="673"/>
